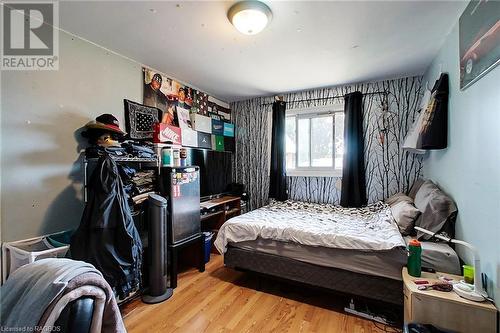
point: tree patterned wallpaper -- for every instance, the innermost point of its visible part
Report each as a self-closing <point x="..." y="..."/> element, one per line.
<point x="389" y="169"/>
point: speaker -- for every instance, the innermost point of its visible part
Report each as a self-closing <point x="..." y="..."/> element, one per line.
<point x="157" y="238"/>
<point x="238" y="190"/>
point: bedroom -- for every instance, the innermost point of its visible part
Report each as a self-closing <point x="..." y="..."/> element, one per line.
<point x="142" y="139"/>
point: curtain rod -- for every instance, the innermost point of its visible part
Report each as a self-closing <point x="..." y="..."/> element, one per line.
<point x="332" y="97"/>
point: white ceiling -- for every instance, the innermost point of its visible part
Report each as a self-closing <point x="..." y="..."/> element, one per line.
<point x="307" y="45"/>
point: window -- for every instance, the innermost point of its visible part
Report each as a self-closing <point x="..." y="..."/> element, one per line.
<point x="315" y="141"/>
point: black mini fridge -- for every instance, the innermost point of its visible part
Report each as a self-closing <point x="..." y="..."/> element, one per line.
<point x="181" y="187"/>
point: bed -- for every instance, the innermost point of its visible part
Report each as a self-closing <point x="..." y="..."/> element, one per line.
<point x="357" y="251"/>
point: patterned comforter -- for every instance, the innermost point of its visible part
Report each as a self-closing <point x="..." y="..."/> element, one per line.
<point x="369" y="228"/>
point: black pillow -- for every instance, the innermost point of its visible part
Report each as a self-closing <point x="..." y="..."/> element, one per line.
<point x="139" y="120"/>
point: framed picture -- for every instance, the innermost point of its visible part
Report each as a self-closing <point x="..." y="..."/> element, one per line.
<point x="479" y="40"/>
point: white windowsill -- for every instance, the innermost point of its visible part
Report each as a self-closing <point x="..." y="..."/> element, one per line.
<point x="314" y="173"/>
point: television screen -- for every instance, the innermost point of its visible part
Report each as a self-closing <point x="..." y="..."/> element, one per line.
<point x="215" y="170"/>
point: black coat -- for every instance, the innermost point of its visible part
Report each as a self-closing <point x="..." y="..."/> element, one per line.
<point x="107" y="237"/>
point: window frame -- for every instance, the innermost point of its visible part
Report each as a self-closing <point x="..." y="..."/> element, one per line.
<point x="312" y="113"/>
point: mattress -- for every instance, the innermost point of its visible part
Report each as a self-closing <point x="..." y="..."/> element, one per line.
<point x="387" y="263"/>
<point x="320" y="225"/>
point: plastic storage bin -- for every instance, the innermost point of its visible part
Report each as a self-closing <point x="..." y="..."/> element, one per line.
<point x="60" y="239"/>
<point x="24" y="252"/>
<point x="208" y="244"/>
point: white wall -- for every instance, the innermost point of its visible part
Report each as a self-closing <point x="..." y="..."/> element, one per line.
<point x="469" y="169"/>
<point x="41" y="110"/>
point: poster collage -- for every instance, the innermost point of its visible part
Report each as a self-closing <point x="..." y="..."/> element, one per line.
<point x="178" y="101"/>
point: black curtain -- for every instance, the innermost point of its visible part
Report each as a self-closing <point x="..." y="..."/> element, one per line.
<point x="353" y="192"/>
<point x="277" y="183"/>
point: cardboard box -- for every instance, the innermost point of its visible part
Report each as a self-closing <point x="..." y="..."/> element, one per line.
<point x="217" y="127"/>
<point x="218" y="142"/>
<point x="228" y="129"/>
<point x="189" y="137"/>
<point x="204" y="140"/>
<point x="168" y="133"/>
<point x="229" y="144"/>
<point x="201" y="123"/>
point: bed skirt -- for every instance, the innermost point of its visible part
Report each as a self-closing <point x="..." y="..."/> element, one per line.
<point x="333" y="279"/>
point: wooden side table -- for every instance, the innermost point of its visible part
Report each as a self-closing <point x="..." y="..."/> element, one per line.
<point x="445" y="310"/>
<point x="217" y="212"/>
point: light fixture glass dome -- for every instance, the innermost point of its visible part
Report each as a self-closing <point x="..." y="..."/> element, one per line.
<point x="249" y="17"/>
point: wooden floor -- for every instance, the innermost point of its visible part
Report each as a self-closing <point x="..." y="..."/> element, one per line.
<point x="224" y="300"/>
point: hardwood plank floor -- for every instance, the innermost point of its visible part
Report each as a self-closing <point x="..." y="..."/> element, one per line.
<point x="224" y="300"/>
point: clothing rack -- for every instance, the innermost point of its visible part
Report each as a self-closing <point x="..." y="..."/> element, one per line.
<point x="382" y="92"/>
<point x="147" y="162"/>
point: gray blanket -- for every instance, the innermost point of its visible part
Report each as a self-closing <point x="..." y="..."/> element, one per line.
<point x="31" y="289"/>
<point x="109" y="320"/>
<point x="369" y="228"/>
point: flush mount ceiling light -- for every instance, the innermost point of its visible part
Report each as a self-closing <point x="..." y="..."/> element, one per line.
<point x="249" y="17"/>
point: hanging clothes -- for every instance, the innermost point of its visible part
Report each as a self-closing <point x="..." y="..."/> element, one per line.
<point x="430" y="129"/>
<point x="107" y="237"/>
<point x="434" y="129"/>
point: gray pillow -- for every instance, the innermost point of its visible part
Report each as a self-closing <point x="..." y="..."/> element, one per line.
<point x="415" y="187"/>
<point x="398" y="197"/>
<point x="405" y="215"/>
<point x="438" y="210"/>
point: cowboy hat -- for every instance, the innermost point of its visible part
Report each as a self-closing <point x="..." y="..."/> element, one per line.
<point x="106" y="122"/>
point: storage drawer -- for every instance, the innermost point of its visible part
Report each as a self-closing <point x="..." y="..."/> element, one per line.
<point x="452" y="316"/>
<point x="407" y="305"/>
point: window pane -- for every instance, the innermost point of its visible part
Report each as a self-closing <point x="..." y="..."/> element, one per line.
<point x="303" y="142"/>
<point x="322" y="142"/>
<point x="291" y="142"/>
<point x="339" y="139"/>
